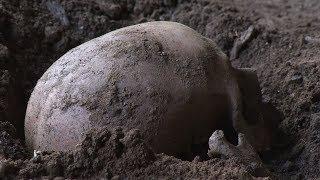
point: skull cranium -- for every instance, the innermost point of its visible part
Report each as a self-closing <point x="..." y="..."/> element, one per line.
<point x="164" y="78"/>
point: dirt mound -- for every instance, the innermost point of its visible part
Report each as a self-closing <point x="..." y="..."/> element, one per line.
<point x="102" y="153"/>
<point x="112" y="154"/>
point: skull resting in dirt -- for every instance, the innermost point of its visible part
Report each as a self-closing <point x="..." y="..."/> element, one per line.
<point x="163" y="78"/>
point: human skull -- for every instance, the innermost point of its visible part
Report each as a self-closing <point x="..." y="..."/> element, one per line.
<point x="163" y="78"/>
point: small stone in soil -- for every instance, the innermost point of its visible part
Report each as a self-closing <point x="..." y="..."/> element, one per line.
<point x="312" y="40"/>
<point x="297" y="78"/>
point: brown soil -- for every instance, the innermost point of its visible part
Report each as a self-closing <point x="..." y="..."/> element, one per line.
<point x="284" y="50"/>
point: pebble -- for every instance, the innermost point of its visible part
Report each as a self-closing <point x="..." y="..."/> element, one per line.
<point x="312" y="40"/>
<point x="297" y="78"/>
